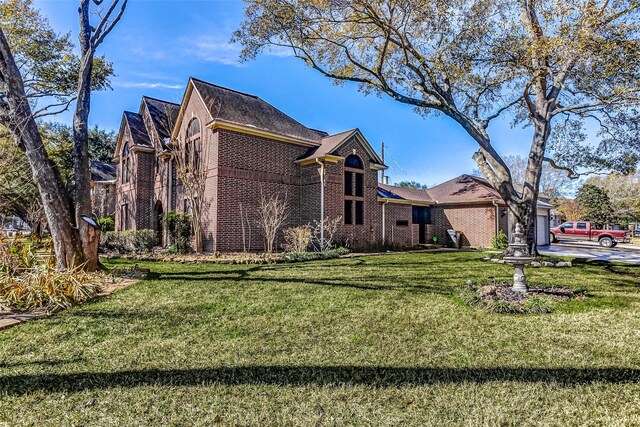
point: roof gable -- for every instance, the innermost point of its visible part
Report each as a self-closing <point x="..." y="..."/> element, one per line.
<point x="163" y="116"/>
<point x="139" y="134"/>
<point x="331" y="144"/>
<point x="249" y="111"/>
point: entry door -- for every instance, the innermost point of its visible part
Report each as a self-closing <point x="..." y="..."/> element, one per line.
<point x="422" y="217"/>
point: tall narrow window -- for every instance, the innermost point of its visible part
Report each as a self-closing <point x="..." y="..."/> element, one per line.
<point x="359" y="185"/>
<point x="125" y="162"/>
<point x="348" y="183"/>
<point x="193" y="145"/>
<point x="124" y="217"/>
<point x="348" y="211"/>
<point x="359" y="212"/>
<point x="353" y="190"/>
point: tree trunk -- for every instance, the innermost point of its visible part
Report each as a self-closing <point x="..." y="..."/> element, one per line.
<point x="22" y="126"/>
<point x="81" y="162"/>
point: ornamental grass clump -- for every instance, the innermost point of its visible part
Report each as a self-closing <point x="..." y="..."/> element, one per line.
<point x="28" y="284"/>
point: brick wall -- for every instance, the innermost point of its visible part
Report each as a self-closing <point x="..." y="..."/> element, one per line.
<point x="477" y="223"/>
<point x="248" y="167"/>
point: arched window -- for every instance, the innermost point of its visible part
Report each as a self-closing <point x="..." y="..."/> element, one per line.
<point x="353" y="162"/>
<point x="126" y="163"/>
<point x="193" y="145"/>
<point x="353" y="190"/>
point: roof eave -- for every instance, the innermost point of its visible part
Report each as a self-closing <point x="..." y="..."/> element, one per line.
<point x="329" y="158"/>
<point x="238" y="127"/>
<point x="405" y="201"/>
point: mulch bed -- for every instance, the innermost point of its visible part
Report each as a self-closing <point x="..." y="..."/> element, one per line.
<point x="499" y="298"/>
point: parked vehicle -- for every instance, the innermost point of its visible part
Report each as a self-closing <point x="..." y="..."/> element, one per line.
<point x="581" y="230"/>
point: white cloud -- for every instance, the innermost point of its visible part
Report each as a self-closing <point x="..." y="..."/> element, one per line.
<point x="216" y="48"/>
<point x="148" y="85"/>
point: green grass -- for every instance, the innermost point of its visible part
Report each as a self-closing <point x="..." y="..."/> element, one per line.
<point x="364" y="341"/>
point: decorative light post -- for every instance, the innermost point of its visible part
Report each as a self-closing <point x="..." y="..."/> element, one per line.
<point x="518" y="258"/>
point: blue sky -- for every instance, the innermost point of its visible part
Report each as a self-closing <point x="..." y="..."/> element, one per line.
<point x="160" y="43"/>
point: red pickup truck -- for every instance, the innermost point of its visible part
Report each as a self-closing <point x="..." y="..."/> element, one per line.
<point x="581" y="230"/>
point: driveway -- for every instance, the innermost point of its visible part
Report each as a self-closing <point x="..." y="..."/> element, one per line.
<point x="631" y="256"/>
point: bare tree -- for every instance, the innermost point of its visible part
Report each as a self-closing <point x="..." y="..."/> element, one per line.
<point x="91" y="36"/>
<point x="330" y="228"/>
<point x="273" y="211"/>
<point x="191" y="170"/>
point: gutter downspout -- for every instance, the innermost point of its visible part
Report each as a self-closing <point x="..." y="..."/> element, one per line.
<point x="321" y="171"/>
<point x="384" y="222"/>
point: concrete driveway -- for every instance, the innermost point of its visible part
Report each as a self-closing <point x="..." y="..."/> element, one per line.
<point x="631" y="256"/>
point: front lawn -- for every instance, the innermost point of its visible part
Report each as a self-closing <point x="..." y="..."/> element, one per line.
<point x="366" y="341"/>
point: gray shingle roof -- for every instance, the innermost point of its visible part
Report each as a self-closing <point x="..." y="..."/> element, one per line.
<point x="138" y="129"/>
<point x="163" y="115"/>
<point x="464" y="188"/>
<point x="249" y="110"/>
<point x="102" y="171"/>
<point x="403" y="193"/>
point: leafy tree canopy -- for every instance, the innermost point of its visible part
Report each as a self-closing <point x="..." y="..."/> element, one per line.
<point x="596" y="205"/>
<point x="557" y="67"/>
<point x="412" y="184"/>
<point x="45" y="59"/>
<point x="623" y="192"/>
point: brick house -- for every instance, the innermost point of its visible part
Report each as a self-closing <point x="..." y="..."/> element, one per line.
<point x="466" y="204"/>
<point x="247" y="148"/>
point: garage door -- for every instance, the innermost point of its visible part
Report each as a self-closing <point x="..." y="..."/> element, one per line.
<point x="542" y="231"/>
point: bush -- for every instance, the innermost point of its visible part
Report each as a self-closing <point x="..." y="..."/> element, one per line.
<point x="311" y="256"/>
<point x="26" y="283"/>
<point x="106" y="224"/>
<point x="16" y="256"/>
<point x="126" y="242"/>
<point x="44" y="287"/>
<point x="297" y="239"/>
<point x="179" y="229"/>
<point x="501" y="241"/>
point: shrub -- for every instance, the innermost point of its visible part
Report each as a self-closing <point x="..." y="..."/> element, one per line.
<point x="106" y="224"/>
<point x="311" y="256"/>
<point x="179" y="229"/>
<point x="16" y="256"/>
<point x="297" y="239"/>
<point x="130" y="241"/>
<point x="501" y="241"/>
<point x="330" y="229"/>
<point x="27" y="282"/>
<point x="44" y="287"/>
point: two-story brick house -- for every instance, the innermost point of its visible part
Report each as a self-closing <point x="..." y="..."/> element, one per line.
<point x="247" y="148"/>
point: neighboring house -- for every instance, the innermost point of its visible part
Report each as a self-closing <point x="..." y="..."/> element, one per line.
<point x="246" y="148"/>
<point x="467" y="204"/>
<point x="103" y="189"/>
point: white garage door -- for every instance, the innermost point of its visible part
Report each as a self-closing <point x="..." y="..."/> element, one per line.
<point x="542" y="231"/>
